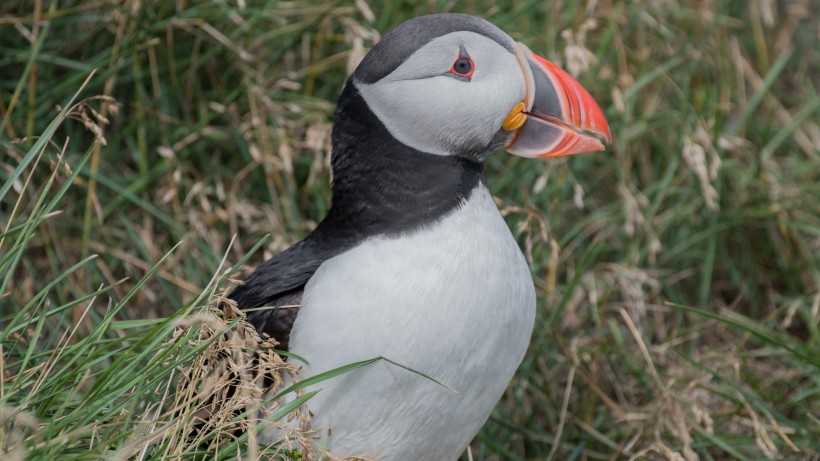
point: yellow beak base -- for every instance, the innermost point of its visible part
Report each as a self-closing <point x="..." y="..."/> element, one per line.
<point x="516" y="118"/>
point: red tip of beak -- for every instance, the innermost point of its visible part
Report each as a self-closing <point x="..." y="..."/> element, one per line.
<point x="581" y="110"/>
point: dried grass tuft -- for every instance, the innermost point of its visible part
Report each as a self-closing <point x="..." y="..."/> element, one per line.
<point x="223" y="393"/>
<point x="223" y="398"/>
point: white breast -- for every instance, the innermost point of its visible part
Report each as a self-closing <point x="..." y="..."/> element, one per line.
<point x="454" y="301"/>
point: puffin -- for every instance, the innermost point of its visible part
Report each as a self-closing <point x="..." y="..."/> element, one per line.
<point x="414" y="262"/>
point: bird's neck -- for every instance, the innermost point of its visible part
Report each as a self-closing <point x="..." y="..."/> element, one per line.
<point x="382" y="186"/>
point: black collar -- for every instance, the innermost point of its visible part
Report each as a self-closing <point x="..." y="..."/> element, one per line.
<point x="381" y="186"/>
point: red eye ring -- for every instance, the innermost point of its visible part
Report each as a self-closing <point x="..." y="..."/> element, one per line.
<point x="463" y="65"/>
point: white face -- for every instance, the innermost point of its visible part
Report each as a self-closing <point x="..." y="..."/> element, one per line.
<point x="427" y="107"/>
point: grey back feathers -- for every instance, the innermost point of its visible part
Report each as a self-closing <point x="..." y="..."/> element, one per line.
<point x="395" y="47"/>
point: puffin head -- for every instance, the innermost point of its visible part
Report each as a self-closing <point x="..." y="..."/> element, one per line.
<point x="454" y="84"/>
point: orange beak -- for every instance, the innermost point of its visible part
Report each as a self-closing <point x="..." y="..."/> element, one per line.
<point x="558" y="117"/>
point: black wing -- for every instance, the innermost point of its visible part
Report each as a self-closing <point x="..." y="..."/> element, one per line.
<point x="278" y="284"/>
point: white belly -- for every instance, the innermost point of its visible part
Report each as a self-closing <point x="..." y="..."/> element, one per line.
<point x="454" y="301"/>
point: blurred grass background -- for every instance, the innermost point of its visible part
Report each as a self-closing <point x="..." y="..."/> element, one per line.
<point x="677" y="272"/>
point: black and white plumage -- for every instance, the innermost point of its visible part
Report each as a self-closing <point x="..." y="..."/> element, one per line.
<point x="414" y="262"/>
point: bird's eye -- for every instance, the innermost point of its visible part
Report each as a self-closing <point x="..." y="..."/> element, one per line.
<point x="464" y="67"/>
